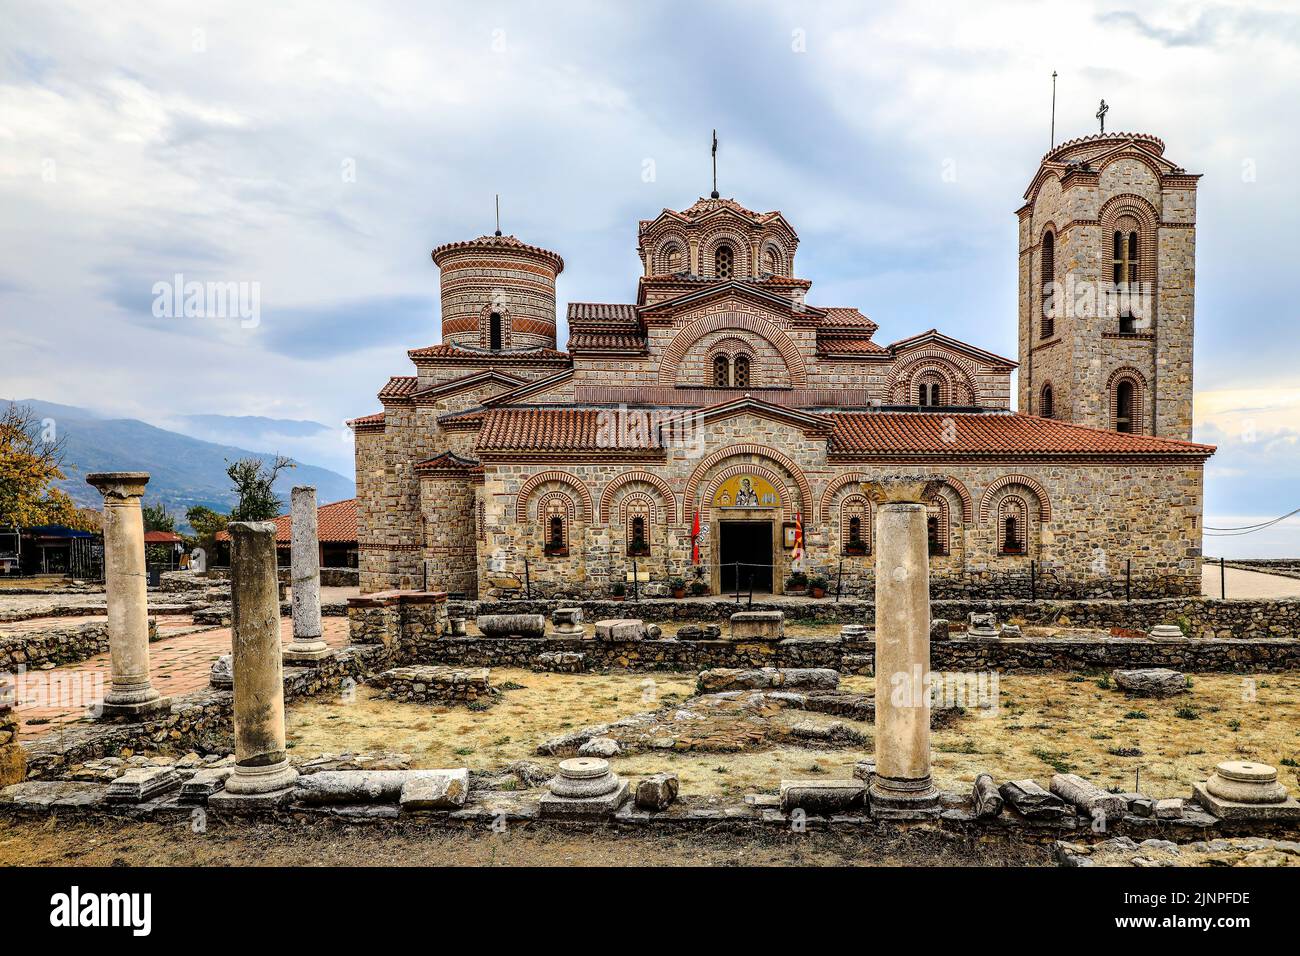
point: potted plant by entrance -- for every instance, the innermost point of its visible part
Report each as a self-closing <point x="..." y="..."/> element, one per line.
<point x="618" y="590"/>
<point x="817" y="587"/>
<point x="678" y="587"/>
<point x="796" y="583"/>
<point x="699" y="587"/>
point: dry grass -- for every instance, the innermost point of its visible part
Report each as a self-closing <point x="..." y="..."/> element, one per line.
<point x="1045" y="723"/>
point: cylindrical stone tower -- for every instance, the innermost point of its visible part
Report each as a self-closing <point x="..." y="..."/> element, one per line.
<point x="498" y="293"/>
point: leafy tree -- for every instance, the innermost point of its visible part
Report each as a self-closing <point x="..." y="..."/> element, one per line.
<point x="31" y="460"/>
<point x="253" y="478"/>
<point x="156" y="518"/>
<point x="205" y="522"/>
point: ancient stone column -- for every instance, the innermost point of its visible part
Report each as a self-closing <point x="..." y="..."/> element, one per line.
<point x="261" y="762"/>
<point x="131" y="693"/>
<point x="304" y="574"/>
<point x="901" y="786"/>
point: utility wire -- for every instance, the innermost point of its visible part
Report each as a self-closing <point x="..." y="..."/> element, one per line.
<point x="1247" y="529"/>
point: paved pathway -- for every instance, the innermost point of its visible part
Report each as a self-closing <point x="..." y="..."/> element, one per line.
<point x="179" y="665"/>
<point x="1248" y="584"/>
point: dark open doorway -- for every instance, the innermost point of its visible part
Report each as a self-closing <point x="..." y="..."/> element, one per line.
<point x="750" y="544"/>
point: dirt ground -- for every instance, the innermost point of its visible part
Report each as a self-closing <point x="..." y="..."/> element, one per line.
<point x="108" y="842"/>
<point x="1044" y="723"/>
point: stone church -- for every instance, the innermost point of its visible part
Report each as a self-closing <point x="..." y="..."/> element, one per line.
<point x="720" y="427"/>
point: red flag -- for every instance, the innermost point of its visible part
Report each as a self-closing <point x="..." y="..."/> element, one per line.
<point x="797" y="554"/>
<point x="695" y="540"/>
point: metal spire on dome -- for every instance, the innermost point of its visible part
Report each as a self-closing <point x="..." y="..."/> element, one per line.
<point x="498" y="232"/>
<point x="714" y="194"/>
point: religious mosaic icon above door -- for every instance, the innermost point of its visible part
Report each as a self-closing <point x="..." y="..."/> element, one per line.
<point x="746" y="491"/>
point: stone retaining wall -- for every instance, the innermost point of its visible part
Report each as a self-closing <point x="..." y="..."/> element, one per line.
<point x="1199" y="617"/>
<point x="57" y="645"/>
<point x="424" y="683"/>
<point x="1008" y="655"/>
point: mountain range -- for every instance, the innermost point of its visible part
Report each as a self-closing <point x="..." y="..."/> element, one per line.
<point x="183" y="470"/>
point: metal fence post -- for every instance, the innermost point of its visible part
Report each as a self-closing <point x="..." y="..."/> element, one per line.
<point x="636" y="588"/>
<point x="528" y="582"/>
<point x="839" y="579"/>
<point x="1223" y="581"/>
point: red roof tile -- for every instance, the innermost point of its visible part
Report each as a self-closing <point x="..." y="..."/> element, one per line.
<point x="490" y="244"/>
<point x="162" y="537"/>
<point x="849" y="345"/>
<point x="563" y="429"/>
<point x="336" y="523"/>
<point x="454" y="354"/>
<point x="399" y="386"/>
<point x="849" y="318"/>
<point x="943" y="435"/>
<point x="604" y="313"/>
<point x="368" y="421"/>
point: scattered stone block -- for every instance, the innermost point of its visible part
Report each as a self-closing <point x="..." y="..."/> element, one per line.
<point x="864" y="770"/>
<point x="45" y="794"/>
<point x="456" y="627"/>
<point x="143" y="783"/>
<point x="822" y="797"/>
<point x="442" y="790"/>
<point x="720" y="679"/>
<point x="938" y="629"/>
<point x="657" y="792"/>
<point x="854" y="633"/>
<point x="985" y="798"/>
<point x="204" y="784"/>
<point x="363" y="760"/>
<point x="512" y="625"/>
<point x="1033" y="802"/>
<point x="757" y="626"/>
<point x="618" y="629"/>
<point x="1151" y="682"/>
<point x="1011" y="630"/>
<point x="1169" y="809"/>
<point x="562" y="662"/>
<point x="362" y="786"/>
<point x="1139" y="804"/>
<point x="223" y="673"/>
<point x="1088" y="797"/>
<point x="983" y="625"/>
<point x="600" y="747"/>
<point x="699" y="632"/>
<point x="568" y="622"/>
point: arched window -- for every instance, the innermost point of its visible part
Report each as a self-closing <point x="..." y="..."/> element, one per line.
<point x="721" y="371"/>
<point x="556" y="524"/>
<point x="724" y="262"/>
<point x="1048" y="326"/>
<point x="637" y="519"/>
<point x="854" y="524"/>
<point x="676" y="260"/>
<point x="771" y="261"/>
<point x="928" y="393"/>
<point x="494" y="331"/>
<point x="932" y="535"/>
<point x="1124" y="406"/>
<point x="1012" y="526"/>
<point x="740" y="371"/>
<point x="1047" y="405"/>
<point x="1124" y="255"/>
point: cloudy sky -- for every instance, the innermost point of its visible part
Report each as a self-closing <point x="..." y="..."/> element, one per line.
<point x="320" y="150"/>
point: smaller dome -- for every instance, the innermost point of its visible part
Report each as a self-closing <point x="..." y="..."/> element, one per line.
<point x="491" y="244"/>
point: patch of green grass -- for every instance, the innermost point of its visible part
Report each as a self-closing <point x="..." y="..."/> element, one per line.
<point x="1124" y="752"/>
<point x="464" y="751"/>
<point x="1187" y="713"/>
<point x="1137" y="715"/>
<point x="961" y="747"/>
<point x="1054" y="759"/>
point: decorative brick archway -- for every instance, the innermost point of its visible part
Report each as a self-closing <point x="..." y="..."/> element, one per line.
<point x="1040" y="493"/>
<point x="665" y="492"/>
<point x="768" y="331"/>
<point x="533" y="483"/>
<point x="689" y="499"/>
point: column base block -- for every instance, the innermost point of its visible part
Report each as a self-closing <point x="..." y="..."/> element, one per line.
<point x="915" y="800"/>
<point x="306" y="653"/>
<point x="225" y="802"/>
<point x="254" y="781"/>
<point x="137" y="711"/>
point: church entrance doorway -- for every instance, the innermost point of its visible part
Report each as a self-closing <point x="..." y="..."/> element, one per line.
<point x="745" y="553"/>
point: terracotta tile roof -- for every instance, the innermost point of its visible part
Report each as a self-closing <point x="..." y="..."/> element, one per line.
<point x="490" y="244"/>
<point x="563" y="429"/>
<point x="997" y="434"/>
<point x="843" y="317"/>
<point x="935" y="337"/>
<point x="336" y="523"/>
<point x="398" y="387"/>
<point x="162" y="537"/>
<point x="447" y="463"/>
<point x="365" y="421"/>
<point x="849" y="345"/>
<point x="580" y="341"/>
<point x="604" y="312"/>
